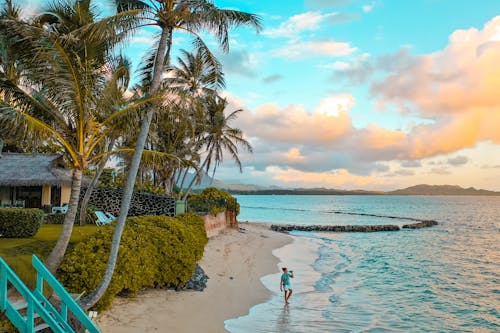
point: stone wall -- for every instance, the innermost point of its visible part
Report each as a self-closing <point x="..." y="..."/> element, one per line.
<point x="215" y="224"/>
<point x="109" y="200"/>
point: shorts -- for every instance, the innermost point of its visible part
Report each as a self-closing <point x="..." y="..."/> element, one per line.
<point x="287" y="287"/>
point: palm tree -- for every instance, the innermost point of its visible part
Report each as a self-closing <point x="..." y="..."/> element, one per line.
<point x="220" y="137"/>
<point x="189" y="16"/>
<point x="114" y="91"/>
<point x="60" y="97"/>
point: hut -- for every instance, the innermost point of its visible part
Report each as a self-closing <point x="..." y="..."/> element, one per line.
<point x="33" y="180"/>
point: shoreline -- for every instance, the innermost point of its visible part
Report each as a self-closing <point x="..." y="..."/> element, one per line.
<point x="235" y="261"/>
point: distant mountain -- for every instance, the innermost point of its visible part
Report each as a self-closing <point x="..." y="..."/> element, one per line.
<point x="424" y="189"/>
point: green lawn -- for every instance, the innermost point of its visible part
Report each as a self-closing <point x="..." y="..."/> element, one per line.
<point x="17" y="251"/>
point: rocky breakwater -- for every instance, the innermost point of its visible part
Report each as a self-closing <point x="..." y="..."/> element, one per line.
<point x="421" y="224"/>
<point x="352" y="228"/>
<point x="335" y="228"/>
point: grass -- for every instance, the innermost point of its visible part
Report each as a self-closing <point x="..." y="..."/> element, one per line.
<point x="17" y="251"/>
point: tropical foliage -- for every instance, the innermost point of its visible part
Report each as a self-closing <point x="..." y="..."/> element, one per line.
<point x="65" y="88"/>
<point x="155" y="251"/>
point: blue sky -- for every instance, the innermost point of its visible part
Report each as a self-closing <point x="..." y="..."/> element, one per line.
<point x="364" y="94"/>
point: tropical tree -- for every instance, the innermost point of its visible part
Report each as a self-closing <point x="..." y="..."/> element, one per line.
<point x="59" y="97"/>
<point x="219" y="137"/>
<point x="114" y="92"/>
<point x="191" y="17"/>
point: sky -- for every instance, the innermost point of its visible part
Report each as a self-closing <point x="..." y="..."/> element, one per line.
<point x="371" y="94"/>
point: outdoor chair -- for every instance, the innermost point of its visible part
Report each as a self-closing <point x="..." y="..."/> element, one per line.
<point x="104" y="218"/>
<point x="60" y="209"/>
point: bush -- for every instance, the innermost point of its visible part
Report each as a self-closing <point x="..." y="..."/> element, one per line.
<point x="57" y="218"/>
<point x="214" y="201"/>
<point x="154" y="251"/>
<point x="20" y="222"/>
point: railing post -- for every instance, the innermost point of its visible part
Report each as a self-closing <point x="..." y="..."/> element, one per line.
<point x="30" y="324"/>
<point x="3" y="287"/>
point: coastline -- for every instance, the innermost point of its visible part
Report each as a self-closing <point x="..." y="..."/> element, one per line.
<point x="234" y="262"/>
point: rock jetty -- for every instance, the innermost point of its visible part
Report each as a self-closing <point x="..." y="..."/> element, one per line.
<point x="421" y="224"/>
<point x="352" y="228"/>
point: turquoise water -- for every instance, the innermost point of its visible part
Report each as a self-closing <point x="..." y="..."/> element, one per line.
<point x="440" y="279"/>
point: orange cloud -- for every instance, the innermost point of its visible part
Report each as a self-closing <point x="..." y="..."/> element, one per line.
<point x="295" y="125"/>
<point x="339" y="177"/>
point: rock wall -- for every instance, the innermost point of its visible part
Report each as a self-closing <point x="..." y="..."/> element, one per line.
<point x="109" y="199"/>
<point x="215" y="224"/>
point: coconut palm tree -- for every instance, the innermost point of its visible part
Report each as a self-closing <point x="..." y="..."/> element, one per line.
<point x="60" y="95"/>
<point x="191" y="17"/>
<point x="114" y="91"/>
<point x="219" y="137"/>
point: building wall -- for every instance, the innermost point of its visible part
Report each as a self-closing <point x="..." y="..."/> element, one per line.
<point x="5" y="195"/>
<point x="65" y="194"/>
<point x="215" y="224"/>
<point x="46" y="189"/>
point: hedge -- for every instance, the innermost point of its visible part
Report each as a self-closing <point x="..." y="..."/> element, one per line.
<point x="20" y="222"/>
<point x="56" y="218"/>
<point x="154" y="251"/>
<point x="214" y="201"/>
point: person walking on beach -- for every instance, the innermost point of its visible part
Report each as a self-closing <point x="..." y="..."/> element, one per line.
<point x="285" y="283"/>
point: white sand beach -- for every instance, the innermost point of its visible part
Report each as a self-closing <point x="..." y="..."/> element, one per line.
<point x="234" y="261"/>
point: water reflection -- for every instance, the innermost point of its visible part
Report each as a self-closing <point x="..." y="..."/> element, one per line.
<point x="283" y="320"/>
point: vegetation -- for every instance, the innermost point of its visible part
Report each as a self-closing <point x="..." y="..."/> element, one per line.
<point x="84" y="109"/>
<point x="163" y="249"/>
<point x="20" y="222"/>
<point x="213" y="201"/>
<point x="17" y="251"/>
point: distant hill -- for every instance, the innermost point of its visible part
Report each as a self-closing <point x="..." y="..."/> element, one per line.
<point x="424" y="189"/>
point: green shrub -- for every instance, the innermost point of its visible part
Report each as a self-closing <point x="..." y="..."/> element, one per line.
<point x="154" y="251"/>
<point x="20" y="222"/>
<point x="214" y="201"/>
<point x="56" y="218"/>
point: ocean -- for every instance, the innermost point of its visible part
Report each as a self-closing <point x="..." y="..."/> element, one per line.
<point x="440" y="279"/>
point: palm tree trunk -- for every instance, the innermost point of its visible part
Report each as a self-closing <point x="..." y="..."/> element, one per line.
<point x="194" y="179"/>
<point x="57" y="255"/>
<point x="88" y="193"/>
<point x="164" y="45"/>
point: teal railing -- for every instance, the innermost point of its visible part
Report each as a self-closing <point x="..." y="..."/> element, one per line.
<point x="36" y="305"/>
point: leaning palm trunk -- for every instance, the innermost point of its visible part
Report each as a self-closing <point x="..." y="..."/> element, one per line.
<point x="88" y="193"/>
<point x="56" y="256"/>
<point x="193" y="181"/>
<point x="161" y="54"/>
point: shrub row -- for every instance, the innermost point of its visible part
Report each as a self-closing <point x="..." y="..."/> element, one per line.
<point x="154" y="251"/>
<point x="213" y="201"/>
<point x="20" y="222"/>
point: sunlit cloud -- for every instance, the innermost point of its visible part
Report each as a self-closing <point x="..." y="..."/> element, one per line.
<point x="309" y="49"/>
<point x="340" y="177"/>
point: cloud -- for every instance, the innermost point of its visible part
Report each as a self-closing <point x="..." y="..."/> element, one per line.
<point x="401" y="172"/>
<point x="272" y="78"/>
<point x="296" y="24"/>
<point x="339" y="177"/>
<point x="411" y="164"/>
<point x="240" y="62"/>
<point x="340" y="18"/>
<point x="368" y="8"/>
<point x="464" y="75"/>
<point x="458" y="160"/>
<point x="440" y="171"/>
<point x="309" y="49"/>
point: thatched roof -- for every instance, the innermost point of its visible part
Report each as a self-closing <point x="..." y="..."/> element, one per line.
<point x="33" y="170"/>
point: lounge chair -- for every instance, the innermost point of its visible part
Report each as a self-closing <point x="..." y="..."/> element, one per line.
<point x="104" y="218"/>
